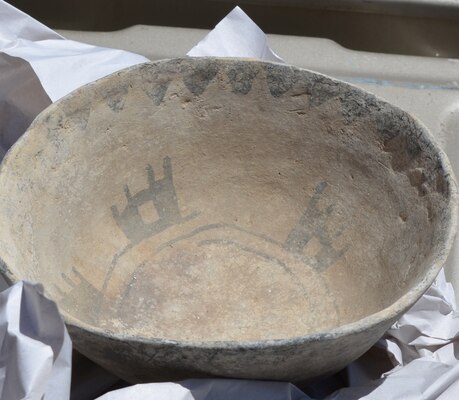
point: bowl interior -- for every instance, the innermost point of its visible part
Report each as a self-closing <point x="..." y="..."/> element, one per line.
<point x="208" y="200"/>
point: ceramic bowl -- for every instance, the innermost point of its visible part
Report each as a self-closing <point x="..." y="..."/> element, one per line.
<point x="225" y="217"/>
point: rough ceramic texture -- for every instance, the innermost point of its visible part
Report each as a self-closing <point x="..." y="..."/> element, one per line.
<point x="202" y="217"/>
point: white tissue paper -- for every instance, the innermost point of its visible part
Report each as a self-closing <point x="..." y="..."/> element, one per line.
<point x="235" y="36"/>
<point x="416" y="359"/>
<point x="35" y="348"/>
<point x="61" y="65"/>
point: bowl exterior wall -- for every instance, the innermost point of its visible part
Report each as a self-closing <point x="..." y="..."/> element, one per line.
<point x="295" y="361"/>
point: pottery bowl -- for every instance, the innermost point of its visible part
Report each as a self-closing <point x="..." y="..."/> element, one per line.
<point x="222" y="217"/>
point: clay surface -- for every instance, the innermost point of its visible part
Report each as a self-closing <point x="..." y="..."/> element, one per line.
<point x="223" y="203"/>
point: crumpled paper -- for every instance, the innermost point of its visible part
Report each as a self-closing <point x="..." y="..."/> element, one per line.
<point x="417" y="358"/>
<point x="61" y="65"/>
<point x="35" y="348"/>
<point x="236" y="35"/>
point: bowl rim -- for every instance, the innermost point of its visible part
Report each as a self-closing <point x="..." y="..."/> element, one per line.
<point x="385" y="316"/>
